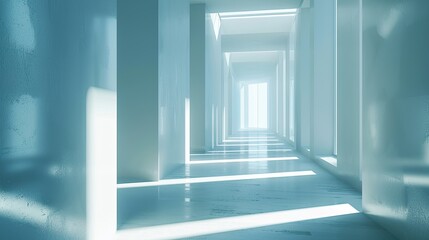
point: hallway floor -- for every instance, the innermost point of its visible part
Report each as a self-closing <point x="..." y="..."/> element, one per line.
<point x="252" y="187"/>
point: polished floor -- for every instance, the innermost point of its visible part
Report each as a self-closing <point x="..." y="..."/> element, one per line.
<point x="250" y="187"/>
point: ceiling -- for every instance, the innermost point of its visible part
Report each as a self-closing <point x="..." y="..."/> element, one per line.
<point x="271" y="24"/>
<point x="247" y="5"/>
<point x="254" y="43"/>
<point x="261" y="56"/>
<point x="254" y="71"/>
<point x="254" y="66"/>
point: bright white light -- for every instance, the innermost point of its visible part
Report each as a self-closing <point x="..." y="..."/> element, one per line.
<point x="249" y="150"/>
<point x="224" y="116"/>
<point x="216" y="179"/>
<point x="251" y="140"/>
<point x="187" y="130"/>
<point x="101" y="164"/>
<point x="216" y="23"/>
<point x="221" y="225"/>
<point x="210" y="161"/>
<point x="330" y="160"/>
<point x="261" y="12"/>
<point x="267" y="137"/>
<point x="227" y="58"/>
<point x="242" y="107"/>
<point x="250" y="144"/>
<point x="252" y="106"/>
<point x="259" y="16"/>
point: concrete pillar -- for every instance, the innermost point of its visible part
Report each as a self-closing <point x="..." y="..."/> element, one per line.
<point x="197" y="86"/>
<point x="137" y="90"/>
<point x="323" y="87"/>
<point x="348" y="51"/>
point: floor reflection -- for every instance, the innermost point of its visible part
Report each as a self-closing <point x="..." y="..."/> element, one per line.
<point x="245" y="200"/>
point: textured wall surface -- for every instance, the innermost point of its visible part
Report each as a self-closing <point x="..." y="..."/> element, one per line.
<point x="304" y="76"/>
<point x="52" y="52"/>
<point x="323" y="86"/>
<point x="348" y="75"/>
<point x="213" y="78"/>
<point x="197" y="74"/>
<point x="173" y="82"/>
<point x="138" y="86"/>
<point x="396" y="115"/>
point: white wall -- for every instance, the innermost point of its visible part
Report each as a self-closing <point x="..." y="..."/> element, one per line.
<point x="348" y="53"/>
<point x="197" y="77"/>
<point x="322" y="92"/>
<point x="248" y="5"/>
<point x="283" y="94"/>
<point x="173" y="82"/>
<point x="213" y="81"/>
<point x="316" y="90"/>
<point x="52" y="53"/>
<point x="396" y="115"/>
<point x="292" y="116"/>
<point x="153" y="70"/>
<point x="138" y="85"/>
<point x="304" y="77"/>
<point x="235" y="104"/>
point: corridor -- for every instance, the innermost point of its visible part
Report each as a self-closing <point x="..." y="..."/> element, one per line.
<point x="253" y="187"/>
<point x="214" y="119"/>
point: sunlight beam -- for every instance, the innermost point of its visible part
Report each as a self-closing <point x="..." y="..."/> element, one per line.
<point x="249" y="144"/>
<point x="249" y="137"/>
<point x="249" y="150"/>
<point x="256" y="13"/>
<point x="259" y="16"/>
<point x="209" y="161"/>
<point x="250" y="140"/>
<point x="228" y="224"/>
<point x="167" y="182"/>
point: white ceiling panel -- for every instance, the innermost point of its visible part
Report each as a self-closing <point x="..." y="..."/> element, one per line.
<point x="247" y="5"/>
<point x="255" y="25"/>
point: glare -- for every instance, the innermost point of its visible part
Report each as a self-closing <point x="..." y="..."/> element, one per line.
<point x="251" y="140"/>
<point x="242" y="160"/>
<point x="227" y="58"/>
<point x="255" y="13"/>
<point x="227" y="224"/>
<point x="250" y="144"/>
<point x="101" y="164"/>
<point x="180" y="181"/>
<point x="259" y="16"/>
<point x="250" y="150"/>
<point x="265" y="137"/>
<point x="187" y="130"/>
<point x="330" y="160"/>
<point x="216" y="23"/>
<point x="254" y="106"/>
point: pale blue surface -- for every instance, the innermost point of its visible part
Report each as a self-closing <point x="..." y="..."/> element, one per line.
<point x="51" y="53"/>
<point x="151" y="206"/>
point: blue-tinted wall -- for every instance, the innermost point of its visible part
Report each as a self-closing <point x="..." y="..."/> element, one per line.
<point x="52" y="52"/>
<point x="395" y="166"/>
